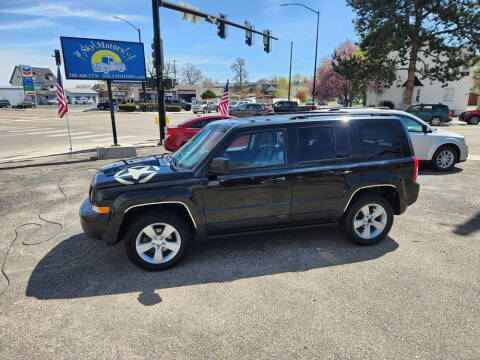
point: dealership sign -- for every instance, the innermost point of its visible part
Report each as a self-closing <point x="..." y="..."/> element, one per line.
<point x="27" y="79"/>
<point x="95" y="59"/>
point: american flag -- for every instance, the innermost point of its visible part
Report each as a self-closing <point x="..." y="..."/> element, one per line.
<point x="62" y="101"/>
<point x="223" y="104"/>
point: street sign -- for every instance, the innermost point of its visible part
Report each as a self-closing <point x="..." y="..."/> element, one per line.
<point x="27" y="79"/>
<point x="96" y="59"/>
<point x="189" y="17"/>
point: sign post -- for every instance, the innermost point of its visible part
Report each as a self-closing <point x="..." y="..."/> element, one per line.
<point x="97" y="59"/>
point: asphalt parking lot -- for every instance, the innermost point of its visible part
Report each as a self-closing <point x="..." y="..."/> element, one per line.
<point x="307" y="294"/>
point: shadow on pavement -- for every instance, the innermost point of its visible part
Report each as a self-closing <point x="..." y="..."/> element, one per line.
<point x="424" y="170"/>
<point x="82" y="267"/>
<point x="468" y="227"/>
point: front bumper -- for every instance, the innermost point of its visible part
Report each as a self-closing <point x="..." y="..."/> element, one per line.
<point x="93" y="224"/>
<point x="463" y="153"/>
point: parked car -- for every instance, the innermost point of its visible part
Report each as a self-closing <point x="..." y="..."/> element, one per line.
<point x="291" y="107"/>
<point x="81" y="101"/>
<point x="180" y="134"/>
<point x="434" y="114"/>
<point x="105" y="105"/>
<point x="52" y="102"/>
<point x="237" y="176"/>
<point x="203" y="107"/>
<point x="255" y="109"/>
<point x="183" y="104"/>
<point x="441" y="149"/>
<point x="471" y="117"/>
<point x="234" y="104"/>
<point x="4" y="103"/>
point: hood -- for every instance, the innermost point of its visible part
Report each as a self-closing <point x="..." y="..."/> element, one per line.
<point x="443" y="133"/>
<point x="138" y="171"/>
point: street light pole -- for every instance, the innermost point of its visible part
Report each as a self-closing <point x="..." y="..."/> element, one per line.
<point x="290" y="71"/>
<point x="316" y="44"/>
<point x="144" y="91"/>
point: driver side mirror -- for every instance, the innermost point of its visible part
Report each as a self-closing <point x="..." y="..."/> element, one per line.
<point x="219" y="166"/>
<point x="426" y="129"/>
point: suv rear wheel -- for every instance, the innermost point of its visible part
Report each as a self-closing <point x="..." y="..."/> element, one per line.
<point x="444" y="158"/>
<point x="436" y="121"/>
<point x="157" y="241"/>
<point x="368" y="220"/>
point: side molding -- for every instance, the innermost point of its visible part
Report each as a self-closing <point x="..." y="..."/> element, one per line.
<point x="165" y="202"/>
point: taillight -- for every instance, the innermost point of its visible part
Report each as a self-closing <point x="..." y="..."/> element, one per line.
<point x="310" y="108"/>
<point x="415" y="171"/>
<point x="449" y="114"/>
<point x="266" y="110"/>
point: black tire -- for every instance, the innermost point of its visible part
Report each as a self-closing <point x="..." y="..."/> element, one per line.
<point x="353" y="211"/>
<point x="144" y="220"/>
<point x="435" y="162"/>
<point x="474" y="120"/>
<point x="436" y="121"/>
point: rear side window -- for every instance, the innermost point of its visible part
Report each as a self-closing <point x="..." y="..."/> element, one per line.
<point x="322" y="143"/>
<point x="379" y="140"/>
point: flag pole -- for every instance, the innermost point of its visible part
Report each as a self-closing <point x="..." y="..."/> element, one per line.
<point x="69" y="138"/>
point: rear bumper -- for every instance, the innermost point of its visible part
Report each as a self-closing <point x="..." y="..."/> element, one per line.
<point x="412" y="193"/>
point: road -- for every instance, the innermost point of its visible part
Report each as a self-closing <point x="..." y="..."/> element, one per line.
<point x="307" y="294"/>
<point x="40" y="132"/>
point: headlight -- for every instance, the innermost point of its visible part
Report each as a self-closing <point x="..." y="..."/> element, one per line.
<point x="100" y="209"/>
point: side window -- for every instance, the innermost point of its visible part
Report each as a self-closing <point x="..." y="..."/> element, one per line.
<point x="258" y="149"/>
<point x="341" y="145"/>
<point x="379" y="140"/>
<point x="316" y="143"/>
<point x="414" y="108"/>
<point x="412" y="125"/>
<point x="427" y="108"/>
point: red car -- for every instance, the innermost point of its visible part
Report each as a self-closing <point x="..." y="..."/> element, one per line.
<point x="180" y="134"/>
<point x="472" y="117"/>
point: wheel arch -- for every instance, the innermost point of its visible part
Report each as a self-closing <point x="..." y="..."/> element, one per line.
<point x="447" y="144"/>
<point x="175" y="207"/>
<point x="387" y="191"/>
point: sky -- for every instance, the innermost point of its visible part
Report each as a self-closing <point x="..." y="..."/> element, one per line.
<point x="30" y="31"/>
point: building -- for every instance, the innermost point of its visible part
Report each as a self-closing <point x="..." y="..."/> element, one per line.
<point x="43" y="79"/>
<point x="80" y="94"/>
<point x="455" y="94"/>
<point x="14" y="94"/>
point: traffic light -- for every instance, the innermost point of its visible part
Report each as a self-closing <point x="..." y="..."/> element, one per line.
<point x="154" y="60"/>
<point x="267" y="43"/>
<point x="168" y="83"/>
<point x="58" y="59"/>
<point x="222" y="28"/>
<point x="248" y="34"/>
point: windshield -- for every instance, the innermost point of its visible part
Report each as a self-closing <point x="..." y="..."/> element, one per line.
<point x="194" y="151"/>
<point x="201" y="102"/>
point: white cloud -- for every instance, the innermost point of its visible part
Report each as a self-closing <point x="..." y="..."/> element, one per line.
<point x="53" y="10"/>
<point x="20" y="25"/>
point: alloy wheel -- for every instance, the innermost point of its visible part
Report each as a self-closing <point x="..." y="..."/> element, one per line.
<point x="436" y="121"/>
<point x="158" y="243"/>
<point x="370" y="221"/>
<point x="445" y="159"/>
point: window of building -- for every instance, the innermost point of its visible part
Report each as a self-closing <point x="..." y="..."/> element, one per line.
<point x="417" y="96"/>
<point x="448" y="95"/>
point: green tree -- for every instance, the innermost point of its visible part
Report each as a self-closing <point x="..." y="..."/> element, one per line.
<point x="476" y="77"/>
<point x="435" y="39"/>
<point x="208" y="94"/>
<point x="281" y="90"/>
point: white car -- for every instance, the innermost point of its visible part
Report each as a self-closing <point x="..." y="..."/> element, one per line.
<point x="443" y="149"/>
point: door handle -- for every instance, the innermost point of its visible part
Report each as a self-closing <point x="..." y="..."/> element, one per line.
<point x="345" y="172"/>
<point x="274" y="180"/>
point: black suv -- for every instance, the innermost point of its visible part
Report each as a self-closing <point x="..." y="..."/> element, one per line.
<point x="183" y="104"/>
<point x="243" y="175"/>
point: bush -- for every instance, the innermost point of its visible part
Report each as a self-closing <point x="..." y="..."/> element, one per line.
<point x="149" y="107"/>
<point x="173" y="108"/>
<point x="387" y="104"/>
<point x="24" y="106"/>
<point x="208" y="94"/>
<point x="127" y="107"/>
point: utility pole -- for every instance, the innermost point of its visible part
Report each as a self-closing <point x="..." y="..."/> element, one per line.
<point x="290" y="71"/>
<point x="175" y="69"/>
<point x="158" y="48"/>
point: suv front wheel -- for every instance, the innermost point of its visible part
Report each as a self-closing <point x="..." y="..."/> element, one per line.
<point x="157" y="241"/>
<point x="444" y="158"/>
<point x="368" y="220"/>
<point x="436" y="121"/>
